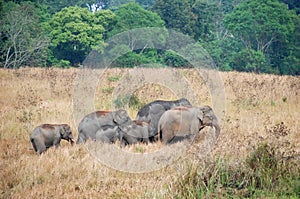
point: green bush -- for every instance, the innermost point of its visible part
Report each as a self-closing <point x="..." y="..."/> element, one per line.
<point x="131" y="101"/>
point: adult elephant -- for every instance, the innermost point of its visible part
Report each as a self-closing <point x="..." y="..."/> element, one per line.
<point x="185" y="122"/>
<point x="134" y="132"/>
<point x="105" y="120"/>
<point x="48" y="135"/>
<point x="152" y="112"/>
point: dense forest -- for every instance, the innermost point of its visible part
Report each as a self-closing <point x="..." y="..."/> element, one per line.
<point x="261" y="36"/>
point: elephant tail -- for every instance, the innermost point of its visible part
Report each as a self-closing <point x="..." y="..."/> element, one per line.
<point x="159" y="133"/>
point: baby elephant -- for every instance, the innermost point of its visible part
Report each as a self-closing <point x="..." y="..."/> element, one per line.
<point x="48" y="135"/>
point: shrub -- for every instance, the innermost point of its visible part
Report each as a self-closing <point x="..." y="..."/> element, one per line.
<point x="131" y="101"/>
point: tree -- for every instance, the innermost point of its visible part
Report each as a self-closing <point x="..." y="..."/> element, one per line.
<point x="262" y="26"/>
<point x="293" y="5"/>
<point x="260" y="23"/>
<point x="54" y="6"/>
<point x="76" y="31"/>
<point x="208" y="16"/>
<point x="288" y="55"/>
<point x="146" y="4"/>
<point x="130" y="17"/>
<point x="177" y="14"/>
<point x="22" y="39"/>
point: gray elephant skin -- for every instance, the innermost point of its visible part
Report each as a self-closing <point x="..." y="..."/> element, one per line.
<point x="48" y="135"/>
<point x="101" y="124"/>
<point x="185" y="122"/>
<point x="109" y="135"/>
<point x="135" y="132"/>
<point x="152" y="112"/>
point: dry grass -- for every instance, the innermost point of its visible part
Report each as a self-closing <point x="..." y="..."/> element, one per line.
<point x="258" y="108"/>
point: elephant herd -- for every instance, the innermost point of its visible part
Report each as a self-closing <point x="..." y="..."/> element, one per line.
<point x="165" y="121"/>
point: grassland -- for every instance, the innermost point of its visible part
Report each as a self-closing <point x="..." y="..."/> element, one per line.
<point x="257" y="153"/>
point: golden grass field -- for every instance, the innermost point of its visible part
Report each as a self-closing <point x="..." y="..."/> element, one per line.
<point x="259" y="108"/>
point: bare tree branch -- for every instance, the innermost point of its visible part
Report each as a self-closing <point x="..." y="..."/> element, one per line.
<point x="23" y="37"/>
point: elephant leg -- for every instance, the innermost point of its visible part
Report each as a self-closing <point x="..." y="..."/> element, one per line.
<point x="176" y="139"/>
<point x="103" y="139"/>
<point x="167" y="137"/>
<point x="33" y="144"/>
<point x="121" y="138"/>
<point x="81" y="139"/>
<point x="146" y="140"/>
<point x="39" y="146"/>
<point x="57" y="145"/>
<point x="167" y="134"/>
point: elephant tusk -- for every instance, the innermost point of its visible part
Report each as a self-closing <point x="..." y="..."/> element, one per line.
<point x="71" y="140"/>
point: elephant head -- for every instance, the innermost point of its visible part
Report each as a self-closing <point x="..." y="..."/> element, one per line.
<point x="209" y="119"/>
<point x="121" y="117"/>
<point x="134" y="132"/>
<point x="91" y="123"/>
<point x="66" y="133"/>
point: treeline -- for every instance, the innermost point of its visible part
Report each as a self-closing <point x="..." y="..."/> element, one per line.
<point x="245" y="35"/>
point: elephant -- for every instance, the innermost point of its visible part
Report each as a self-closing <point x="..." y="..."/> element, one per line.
<point x="185" y="122"/>
<point x="152" y="112"/>
<point x="134" y="132"/>
<point x="109" y="135"/>
<point x="48" y="135"/>
<point x="91" y="123"/>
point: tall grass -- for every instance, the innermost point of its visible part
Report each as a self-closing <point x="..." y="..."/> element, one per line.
<point x="264" y="173"/>
<point x="256" y="155"/>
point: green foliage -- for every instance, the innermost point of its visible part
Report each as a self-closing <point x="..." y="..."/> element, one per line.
<point x="108" y="90"/>
<point x="116" y="4"/>
<point x="131" y="101"/>
<point x="171" y="58"/>
<point x="208" y="17"/>
<point x="259" y="23"/>
<point x="292" y="5"/>
<point x="56" y="6"/>
<point x="132" y="16"/>
<point x="62" y="63"/>
<point x="113" y="78"/>
<point x="177" y="14"/>
<point x="76" y="31"/>
<point x="139" y="149"/>
<point x="250" y="61"/>
<point x="284" y="99"/>
<point x="265" y="28"/>
<point x="137" y="58"/>
<point x="245" y="35"/>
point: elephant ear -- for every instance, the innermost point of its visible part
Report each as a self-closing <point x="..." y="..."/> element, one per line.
<point x="200" y="115"/>
<point x="67" y="128"/>
<point x="62" y="131"/>
<point x="120" y="116"/>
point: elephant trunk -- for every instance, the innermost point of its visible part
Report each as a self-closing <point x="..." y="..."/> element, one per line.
<point x="71" y="139"/>
<point x="217" y="129"/>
